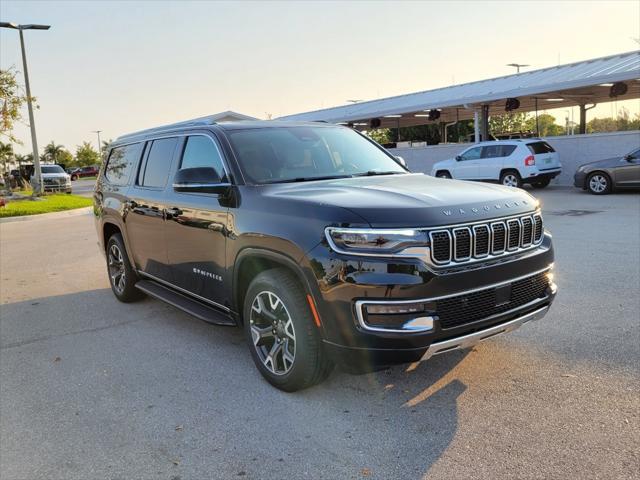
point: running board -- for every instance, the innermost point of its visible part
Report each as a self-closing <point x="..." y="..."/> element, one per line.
<point x="183" y="302"/>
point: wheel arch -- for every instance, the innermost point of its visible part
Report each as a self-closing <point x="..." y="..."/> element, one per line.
<point x="252" y="261"/>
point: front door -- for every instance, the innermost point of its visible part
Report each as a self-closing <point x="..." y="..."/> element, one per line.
<point x="628" y="173"/>
<point x="467" y="165"/>
<point x="146" y="207"/>
<point x="196" y="226"/>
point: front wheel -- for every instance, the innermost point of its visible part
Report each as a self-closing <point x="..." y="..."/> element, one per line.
<point x="443" y="174"/>
<point x="284" y="340"/>
<point x="511" y="178"/>
<point x="599" y="183"/>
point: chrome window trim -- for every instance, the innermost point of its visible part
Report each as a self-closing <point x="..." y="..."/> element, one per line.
<point x="359" y="304"/>
<point x="433" y="258"/>
<point x="489" y="241"/>
<point x="494" y="251"/>
<point x="169" y="284"/>
<point x="455" y="244"/>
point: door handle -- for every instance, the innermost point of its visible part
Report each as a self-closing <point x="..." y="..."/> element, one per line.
<point x="173" y="212"/>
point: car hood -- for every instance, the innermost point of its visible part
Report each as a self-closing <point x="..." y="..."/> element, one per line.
<point x="606" y="163"/>
<point x="410" y="200"/>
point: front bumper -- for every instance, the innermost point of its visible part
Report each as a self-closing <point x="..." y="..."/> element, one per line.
<point x="579" y="179"/>
<point x="349" y="283"/>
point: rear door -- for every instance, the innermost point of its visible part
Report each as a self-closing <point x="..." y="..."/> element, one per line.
<point x="196" y="225"/>
<point x="492" y="160"/>
<point x="146" y="207"/>
<point x="467" y="165"/>
<point x="544" y="154"/>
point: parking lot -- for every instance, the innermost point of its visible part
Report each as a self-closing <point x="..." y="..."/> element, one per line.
<point x="95" y="389"/>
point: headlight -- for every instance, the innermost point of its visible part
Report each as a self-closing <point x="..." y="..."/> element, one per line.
<point x="375" y="241"/>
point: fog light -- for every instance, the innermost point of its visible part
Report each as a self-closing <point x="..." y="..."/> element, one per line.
<point x="395" y="309"/>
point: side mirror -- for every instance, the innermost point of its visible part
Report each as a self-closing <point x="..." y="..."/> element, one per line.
<point x="401" y="161"/>
<point x="458" y="158"/>
<point x="200" y="179"/>
<point x="629" y="158"/>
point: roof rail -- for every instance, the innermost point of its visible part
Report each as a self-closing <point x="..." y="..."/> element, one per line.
<point x="172" y="126"/>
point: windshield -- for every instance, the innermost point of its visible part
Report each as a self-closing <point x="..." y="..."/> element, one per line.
<point x="288" y="154"/>
<point x="51" y="169"/>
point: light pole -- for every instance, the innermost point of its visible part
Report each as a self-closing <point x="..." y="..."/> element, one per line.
<point x="517" y="65"/>
<point x="99" y="142"/>
<point x="37" y="188"/>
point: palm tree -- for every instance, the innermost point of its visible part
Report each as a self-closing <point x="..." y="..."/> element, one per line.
<point x="51" y="151"/>
<point x="20" y="159"/>
<point x="6" y="154"/>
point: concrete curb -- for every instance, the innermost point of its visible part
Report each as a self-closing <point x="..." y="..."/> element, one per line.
<point x="47" y="216"/>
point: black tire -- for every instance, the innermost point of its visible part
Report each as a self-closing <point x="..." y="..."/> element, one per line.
<point x="511" y="178"/>
<point x="599" y="183"/>
<point x="275" y="307"/>
<point x="74" y="178"/>
<point x="122" y="277"/>
<point x="541" y="183"/>
<point x="443" y="174"/>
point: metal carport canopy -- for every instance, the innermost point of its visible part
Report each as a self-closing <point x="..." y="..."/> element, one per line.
<point x="584" y="82"/>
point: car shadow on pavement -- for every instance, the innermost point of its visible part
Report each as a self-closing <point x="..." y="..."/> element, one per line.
<point x="117" y="384"/>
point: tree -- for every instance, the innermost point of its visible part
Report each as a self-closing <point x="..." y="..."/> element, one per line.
<point x="86" y="155"/>
<point x="19" y="159"/>
<point x="546" y="124"/>
<point x="53" y="151"/>
<point x="12" y="99"/>
<point x="6" y="154"/>
<point x="508" y="123"/>
<point x="380" y="135"/>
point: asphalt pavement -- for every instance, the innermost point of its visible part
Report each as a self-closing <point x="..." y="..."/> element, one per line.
<point x="95" y="389"/>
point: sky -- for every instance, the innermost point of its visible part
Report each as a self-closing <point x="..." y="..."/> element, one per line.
<point x="120" y="66"/>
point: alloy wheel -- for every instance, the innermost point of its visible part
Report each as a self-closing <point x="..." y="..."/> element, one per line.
<point x="510" y="180"/>
<point x="598" y="183"/>
<point x="272" y="332"/>
<point x="116" y="268"/>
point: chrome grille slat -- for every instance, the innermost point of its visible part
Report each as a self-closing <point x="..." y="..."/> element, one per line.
<point x="460" y="244"/>
<point x="462" y="240"/>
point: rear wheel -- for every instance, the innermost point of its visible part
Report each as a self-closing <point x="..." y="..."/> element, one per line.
<point x="284" y="341"/>
<point x="511" y="178"/>
<point x="599" y="183"/>
<point x="443" y="174"/>
<point x="122" y="276"/>
<point x="74" y="178"/>
<point x="541" y="183"/>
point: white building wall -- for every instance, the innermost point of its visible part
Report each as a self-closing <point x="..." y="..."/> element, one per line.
<point x="574" y="150"/>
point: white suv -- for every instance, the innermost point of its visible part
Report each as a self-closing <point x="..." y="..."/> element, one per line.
<point x="511" y="162"/>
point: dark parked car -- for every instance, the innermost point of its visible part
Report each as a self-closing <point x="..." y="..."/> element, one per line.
<point x="604" y="176"/>
<point x="318" y="243"/>
<point x="84" y="172"/>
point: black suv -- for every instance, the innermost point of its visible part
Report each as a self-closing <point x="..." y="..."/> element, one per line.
<point x="319" y="243"/>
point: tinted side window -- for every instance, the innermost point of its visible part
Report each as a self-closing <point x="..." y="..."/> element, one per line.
<point x="472" y="154"/>
<point x="200" y="151"/>
<point x="121" y="161"/>
<point x="156" y="168"/>
<point x="540" y="147"/>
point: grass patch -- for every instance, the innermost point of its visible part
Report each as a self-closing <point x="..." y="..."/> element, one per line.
<point x="50" y="203"/>
<point x="86" y="178"/>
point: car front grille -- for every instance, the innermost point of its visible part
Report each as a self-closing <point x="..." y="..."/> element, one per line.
<point x="460" y="244"/>
<point x="471" y="307"/>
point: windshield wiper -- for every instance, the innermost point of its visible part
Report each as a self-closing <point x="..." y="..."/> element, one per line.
<point x="372" y="173"/>
<point x="308" y="179"/>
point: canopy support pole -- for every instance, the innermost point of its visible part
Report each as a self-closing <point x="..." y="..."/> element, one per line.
<point x="476" y="127"/>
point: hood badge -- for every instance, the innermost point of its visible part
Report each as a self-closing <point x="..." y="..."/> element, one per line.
<point x="486" y="208"/>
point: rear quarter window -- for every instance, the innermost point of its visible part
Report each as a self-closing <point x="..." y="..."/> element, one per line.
<point x="540" y="147"/>
<point x="121" y="161"/>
